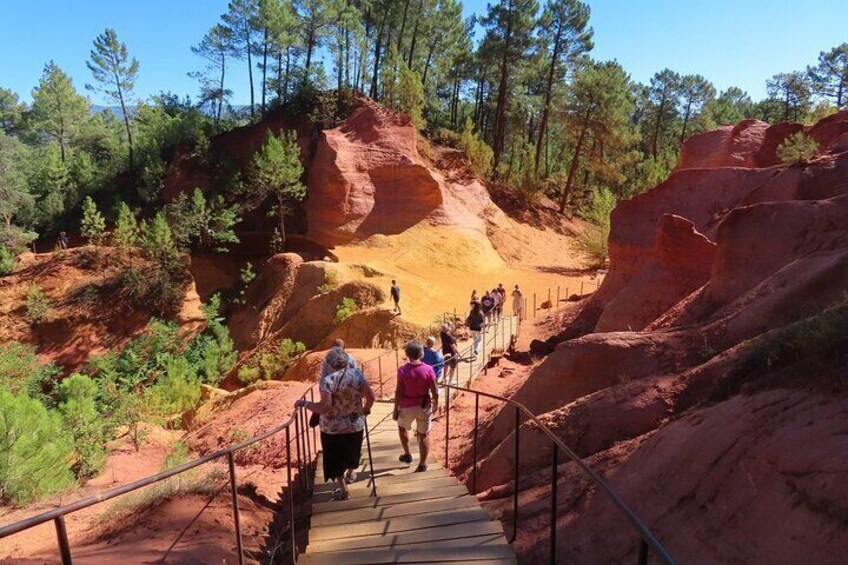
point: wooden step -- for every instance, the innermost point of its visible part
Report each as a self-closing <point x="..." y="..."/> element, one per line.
<point x="455" y="491"/>
<point x="415" y="555"/>
<point x="435" y="483"/>
<point x="363" y="480"/>
<point x="394" y="511"/>
<point x="466" y="534"/>
<point x="408" y="524"/>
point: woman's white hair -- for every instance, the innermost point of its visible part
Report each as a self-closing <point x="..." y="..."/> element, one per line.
<point x="336" y="358"/>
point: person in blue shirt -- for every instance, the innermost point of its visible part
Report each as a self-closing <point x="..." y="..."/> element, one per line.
<point x="433" y="357"/>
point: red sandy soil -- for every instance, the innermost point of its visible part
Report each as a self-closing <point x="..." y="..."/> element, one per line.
<point x="79" y="325"/>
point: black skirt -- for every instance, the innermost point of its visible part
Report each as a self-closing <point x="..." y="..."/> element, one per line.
<point x="341" y="452"/>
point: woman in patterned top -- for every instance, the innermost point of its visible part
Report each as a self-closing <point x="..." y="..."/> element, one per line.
<point x="341" y="409"/>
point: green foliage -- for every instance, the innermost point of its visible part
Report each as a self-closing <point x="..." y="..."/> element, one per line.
<point x="35" y="450"/>
<point x="16" y="200"/>
<point x="57" y="109"/>
<point x="797" y="148"/>
<point x="8" y="261"/>
<point x="593" y="241"/>
<point x="21" y="372"/>
<point x="345" y="309"/>
<point x="78" y="396"/>
<point x="212" y="352"/>
<point x="92" y="226"/>
<point x="276" y="174"/>
<point x="246" y="276"/>
<point x="160" y="287"/>
<point x="126" y="231"/>
<point x="178" y="389"/>
<point x="479" y="154"/>
<point x="271" y="364"/>
<point x="199" y="224"/>
<point x="38" y="306"/>
<point x="410" y="95"/>
<point x="331" y="281"/>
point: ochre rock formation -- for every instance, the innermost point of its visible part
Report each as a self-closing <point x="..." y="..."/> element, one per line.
<point x="709" y="394"/>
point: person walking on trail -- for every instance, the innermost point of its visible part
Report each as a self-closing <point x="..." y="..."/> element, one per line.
<point x="415" y="397"/>
<point x="396" y="296"/>
<point x="498" y="308"/>
<point x="326" y="369"/>
<point x="475" y="323"/>
<point x="63" y="240"/>
<point x="346" y="398"/>
<point x="488" y="305"/>
<point x="474" y="298"/>
<point x="502" y="290"/>
<point x="517" y="303"/>
<point x="433" y="357"/>
<point x="451" y="354"/>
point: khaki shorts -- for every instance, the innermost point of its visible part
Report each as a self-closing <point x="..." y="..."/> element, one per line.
<point x="421" y="417"/>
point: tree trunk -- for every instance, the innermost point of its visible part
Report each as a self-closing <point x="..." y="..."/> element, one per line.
<point x="500" y="110"/>
<point x="377" y="48"/>
<point x="415" y="33"/>
<point x="310" y="45"/>
<point x="402" y="25"/>
<point x="429" y="58"/>
<point x="686" y="119"/>
<point x="280" y="75"/>
<point x="543" y="124"/>
<point x="656" y="135"/>
<point x="282" y="214"/>
<point x="126" y="121"/>
<point x="575" y="160"/>
<point x="221" y="89"/>
<point x="250" y="73"/>
<point x="264" y="68"/>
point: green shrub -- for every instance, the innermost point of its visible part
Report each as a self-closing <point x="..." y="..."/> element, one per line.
<point x="78" y="405"/>
<point x="22" y="372"/>
<point x="271" y="364"/>
<point x="797" y="148"/>
<point x="35" y="450"/>
<point x="479" y="154"/>
<point x="345" y="309"/>
<point x="37" y="304"/>
<point x="8" y="261"/>
<point x="331" y="281"/>
<point x="593" y="241"/>
<point x="178" y="389"/>
<point x="212" y="352"/>
<point x="246" y="276"/>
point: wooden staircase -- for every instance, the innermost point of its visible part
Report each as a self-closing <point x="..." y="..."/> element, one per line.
<point x="424" y="517"/>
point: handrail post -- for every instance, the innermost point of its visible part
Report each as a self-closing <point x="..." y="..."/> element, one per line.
<point x="234" y="493"/>
<point x="62" y="537"/>
<point x="515" y="472"/>
<point x="534" y="304"/>
<point x="558" y="297"/>
<point x="299" y="452"/>
<point x="447" y="421"/>
<point x="290" y="494"/>
<point x="380" y="370"/>
<point x="554" y="476"/>
<point x="476" y="419"/>
<point x="581" y="289"/>
<point x="370" y="458"/>
<point x="643" y="552"/>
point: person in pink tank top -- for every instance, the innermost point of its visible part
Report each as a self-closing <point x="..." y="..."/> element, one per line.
<point x="415" y="397"/>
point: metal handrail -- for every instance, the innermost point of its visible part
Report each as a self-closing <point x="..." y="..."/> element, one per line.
<point x="303" y="447"/>
<point x="648" y="539"/>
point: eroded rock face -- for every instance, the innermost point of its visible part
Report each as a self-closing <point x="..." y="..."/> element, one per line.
<point x="711" y="273"/>
<point x="367" y="177"/>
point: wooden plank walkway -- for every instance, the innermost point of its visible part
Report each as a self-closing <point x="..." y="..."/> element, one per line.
<point x="424" y="517"/>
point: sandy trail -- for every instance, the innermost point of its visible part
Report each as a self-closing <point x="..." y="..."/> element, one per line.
<point x="438" y="267"/>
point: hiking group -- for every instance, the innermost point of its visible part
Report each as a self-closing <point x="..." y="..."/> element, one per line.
<point x="346" y="397"/>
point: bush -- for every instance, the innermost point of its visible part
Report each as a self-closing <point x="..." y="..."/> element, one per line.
<point x="797" y="148"/>
<point x="178" y="389"/>
<point x="8" y="261"/>
<point x="594" y="240"/>
<point x="271" y="364"/>
<point x="345" y="309"/>
<point x="331" y="281"/>
<point x="78" y="405"/>
<point x="22" y="372"/>
<point x="479" y="154"/>
<point x="212" y="352"/>
<point x="160" y="288"/>
<point x="37" y="304"/>
<point x="35" y="449"/>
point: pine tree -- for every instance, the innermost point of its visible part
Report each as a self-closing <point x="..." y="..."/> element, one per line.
<point x="125" y="235"/>
<point x="277" y="171"/>
<point x="35" y="448"/>
<point x="157" y="240"/>
<point x="696" y="92"/>
<point x="794" y="92"/>
<point x="112" y="67"/>
<point x="78" y="406"/>
<point x="57" y="109"/>
<point x="215" y="47"/>
<point x="797" y="148"/>
<point x="410" y="94"/>
<point x="92" y="225"/>
<point x="830" y="77"/>
<point x="240" y="23"/>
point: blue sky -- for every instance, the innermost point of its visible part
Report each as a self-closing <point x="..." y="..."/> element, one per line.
<point x="739" y="42"/>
